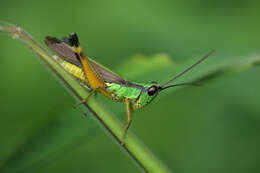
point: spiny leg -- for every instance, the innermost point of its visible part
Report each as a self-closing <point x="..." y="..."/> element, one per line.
<point x="129" y="120"/>
<point x="86" y="99"/>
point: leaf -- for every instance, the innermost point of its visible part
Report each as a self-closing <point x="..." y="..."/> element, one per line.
<point x="145" y="66"/>
<point x="161" y="67"/>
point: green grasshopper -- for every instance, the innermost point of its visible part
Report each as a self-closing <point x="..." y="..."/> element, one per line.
<point x="102" y="80"/>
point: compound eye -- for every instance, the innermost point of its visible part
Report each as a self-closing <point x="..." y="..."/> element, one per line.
<point x="152" y="90"/>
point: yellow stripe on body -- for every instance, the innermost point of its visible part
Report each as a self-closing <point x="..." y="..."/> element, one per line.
<point x="73" y="69"/>
<point x="90" y="74"/>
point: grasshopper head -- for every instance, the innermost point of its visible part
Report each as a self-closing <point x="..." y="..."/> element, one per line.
<point x="148" y="93"/>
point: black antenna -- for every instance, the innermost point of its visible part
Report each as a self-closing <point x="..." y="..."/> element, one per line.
<point x="180" y="84"/>
<point x="188" y="69"/>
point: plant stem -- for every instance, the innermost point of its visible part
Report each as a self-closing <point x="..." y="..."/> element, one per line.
<point x="143" y="157"/>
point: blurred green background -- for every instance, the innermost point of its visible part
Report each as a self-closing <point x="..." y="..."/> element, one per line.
<point x="214" y="128"/>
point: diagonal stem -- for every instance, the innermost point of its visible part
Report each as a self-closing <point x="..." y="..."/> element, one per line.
<point x="137" y="151"/>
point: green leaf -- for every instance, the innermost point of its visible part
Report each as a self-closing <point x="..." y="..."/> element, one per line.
<point x="161" y="67"/>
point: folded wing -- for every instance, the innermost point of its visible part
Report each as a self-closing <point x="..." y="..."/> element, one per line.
<point x="66" y="52"/>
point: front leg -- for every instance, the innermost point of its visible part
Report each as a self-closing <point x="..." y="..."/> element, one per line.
<point x="129" y="120"/>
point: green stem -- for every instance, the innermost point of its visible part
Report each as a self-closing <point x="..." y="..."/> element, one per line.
<point x="134" y="148"/>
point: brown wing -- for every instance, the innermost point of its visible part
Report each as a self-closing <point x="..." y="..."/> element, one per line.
<point x="64" y="50"/>
<point x="111" y="77"/>
<point x="107" y="75"/>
